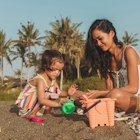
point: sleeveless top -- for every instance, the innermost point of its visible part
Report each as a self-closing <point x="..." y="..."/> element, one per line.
<point x="120" y="77"/>
<point x="49" y="90"/>
<point x="27" y="100"/>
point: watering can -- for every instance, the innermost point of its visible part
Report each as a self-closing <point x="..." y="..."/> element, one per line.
<point x="68" y="107"/>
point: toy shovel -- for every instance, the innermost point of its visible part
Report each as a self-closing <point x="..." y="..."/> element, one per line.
<point x="90" y="107"/>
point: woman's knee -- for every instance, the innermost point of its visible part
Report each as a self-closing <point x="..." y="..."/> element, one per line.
<point x="124" y="100"/>
<point x="115" y="93"/>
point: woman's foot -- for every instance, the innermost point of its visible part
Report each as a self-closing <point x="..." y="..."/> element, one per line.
<point x="138" y="105"/>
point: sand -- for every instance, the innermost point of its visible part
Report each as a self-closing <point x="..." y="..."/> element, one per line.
<point x="57" y="127"/>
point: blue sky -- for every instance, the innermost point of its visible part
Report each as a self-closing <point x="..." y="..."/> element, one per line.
<point x="124" y="14"/>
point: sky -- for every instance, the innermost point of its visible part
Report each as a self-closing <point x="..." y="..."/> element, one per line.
<point x="124" y="14"/>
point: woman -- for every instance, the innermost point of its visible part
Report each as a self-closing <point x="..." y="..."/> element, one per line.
<point x="119" y="64"/>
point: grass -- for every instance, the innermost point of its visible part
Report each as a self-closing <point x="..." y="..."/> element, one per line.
<point x="8" y="94"/>
<point x="86" y="83"/>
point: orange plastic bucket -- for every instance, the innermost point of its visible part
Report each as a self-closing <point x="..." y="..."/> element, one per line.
<point x="101" y="114"/>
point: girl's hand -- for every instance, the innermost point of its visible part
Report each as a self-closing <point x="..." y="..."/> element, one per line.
<point x="72" y="89"/>
<point x="63" y="100"/>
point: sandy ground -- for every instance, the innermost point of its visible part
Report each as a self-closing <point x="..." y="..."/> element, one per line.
<point x="57" y="127"/>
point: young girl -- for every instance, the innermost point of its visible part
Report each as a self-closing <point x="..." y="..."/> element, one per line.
<point x="119" y="64"/>
<point x="43" y="89"/>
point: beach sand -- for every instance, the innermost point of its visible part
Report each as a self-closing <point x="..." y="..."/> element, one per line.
<point x="57" y="127"/>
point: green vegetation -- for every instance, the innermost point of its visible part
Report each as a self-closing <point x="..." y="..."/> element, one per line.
<point x="8" y="94"/>
<point x="65" y="37"/>
<point x="86" y="83"/>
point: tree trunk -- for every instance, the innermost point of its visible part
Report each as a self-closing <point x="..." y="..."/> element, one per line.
<point x="28" y="66"/>
<point x="2" y="70"/>
<point x="35" y="69"/>
<point x="21" y="74"/>
<point x="61" y="80"/>
<point x="78" y="67"/>
<point x="98" y="72"/>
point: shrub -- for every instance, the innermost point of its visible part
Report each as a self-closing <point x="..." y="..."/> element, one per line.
<point x="86" y="83"/>
<point x="9" y="95"/>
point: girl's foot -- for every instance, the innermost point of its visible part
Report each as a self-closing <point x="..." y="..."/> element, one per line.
<point x="47" y="110"/>
<point x="39" y="113"/>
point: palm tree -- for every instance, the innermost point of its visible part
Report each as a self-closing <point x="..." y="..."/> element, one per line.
<point x="18" y="73"/>
<point x="77" y="50"/>
<point x="61" y="37"/>
<point x="35" y="61"/>
<point x="20" y="52"/>
<point x="4" y="49"/>
<point x="29" y="36"/>
<point x="130" y="39"/>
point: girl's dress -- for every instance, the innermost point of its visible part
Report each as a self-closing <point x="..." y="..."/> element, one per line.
<point x="27" y="101"/>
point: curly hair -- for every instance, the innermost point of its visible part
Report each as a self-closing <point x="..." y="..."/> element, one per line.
<point x="96" y="58"/>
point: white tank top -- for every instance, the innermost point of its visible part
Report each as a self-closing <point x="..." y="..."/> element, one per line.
<point x="120" y="77"/>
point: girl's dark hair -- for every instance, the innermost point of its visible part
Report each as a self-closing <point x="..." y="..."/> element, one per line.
<point x="95" y="57"/>
<point x="50" y="56"/>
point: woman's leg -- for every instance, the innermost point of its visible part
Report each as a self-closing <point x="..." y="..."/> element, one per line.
<point x="125" y="101"/>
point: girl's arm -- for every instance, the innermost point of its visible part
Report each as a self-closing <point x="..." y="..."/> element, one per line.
<point x="41" y="96"/>
<point x="70" y="91"/>
<point x="74" y="92"/>
<point x="63" y="93"/>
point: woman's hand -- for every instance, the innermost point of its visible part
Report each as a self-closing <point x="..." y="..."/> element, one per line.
<point x="93" y="94"/>
<point x="72" y="89"/>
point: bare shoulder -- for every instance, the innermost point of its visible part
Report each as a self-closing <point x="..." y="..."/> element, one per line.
<point x="39" y="81"/>
<point x="131" y="55"/>
<point x="130" y="52"/>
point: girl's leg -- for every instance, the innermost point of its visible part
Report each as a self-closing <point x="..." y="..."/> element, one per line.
<point x="35" y="110"/>
<point x="47" y="110"/>
<point x="125" y="101"/>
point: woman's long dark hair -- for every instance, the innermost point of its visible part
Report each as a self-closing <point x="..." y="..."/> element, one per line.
<point x="95" y="57"/>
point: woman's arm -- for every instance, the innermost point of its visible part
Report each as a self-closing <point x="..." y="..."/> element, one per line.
<point x="97" y="93"/>
<point x="132" y="59"/>
<point x="101" y="93"/>
<point x="108" y="82"/>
